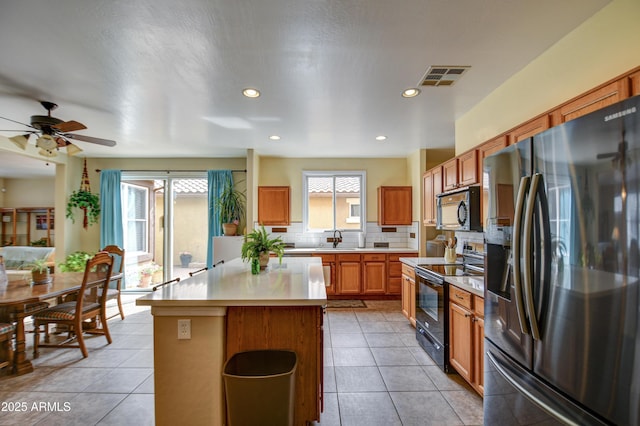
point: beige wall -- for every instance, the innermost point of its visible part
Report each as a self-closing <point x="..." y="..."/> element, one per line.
<point x="288" y="172"/>
<point x="29" y="192"/>
<point x="602" y="48"/>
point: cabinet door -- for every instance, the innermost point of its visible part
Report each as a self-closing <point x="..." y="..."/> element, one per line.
<point x="460" y="340"/>
<point x="635" y="83"/>
<point x="450" y="175"/>
<point x="374" y="277"/>
<point x="468" y="168"/>
<point x="273" y="205"/>
<point x="349" y="274"/>
<point x="428" y="199"/>
<point x="406" y="303"/>
<point x="595" y="100"/>
<point x="478" y="355"/>
<point x="394" y="205"/>
<point x="529" y="129"/>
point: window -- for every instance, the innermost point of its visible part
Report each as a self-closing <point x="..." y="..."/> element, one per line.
<point x="334" y="200"/>
<point x="136" y="218"/>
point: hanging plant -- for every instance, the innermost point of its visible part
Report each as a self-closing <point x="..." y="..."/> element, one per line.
<point x="88" y="202"/>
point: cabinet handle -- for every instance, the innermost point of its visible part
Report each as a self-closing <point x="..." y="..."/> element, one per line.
<point x="459" y="297"/>
<point x="467" y="315"/>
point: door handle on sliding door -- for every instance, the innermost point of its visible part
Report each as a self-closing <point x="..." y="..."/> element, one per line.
<point x="516" y="251"/>
<point x="528" y="255"/>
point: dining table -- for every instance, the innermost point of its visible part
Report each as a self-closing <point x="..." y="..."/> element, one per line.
<point x="20" y="293"/>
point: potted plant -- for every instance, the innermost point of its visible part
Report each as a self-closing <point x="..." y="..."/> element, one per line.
<point x="146" y="272"/>
<point x="88" y="202"/>
<point x="258" y="245"/>
<point x="185" y="259"/>
<point x="75" y="262"/>
<point x="40" y="272"/>
<point x="231" y="205"/>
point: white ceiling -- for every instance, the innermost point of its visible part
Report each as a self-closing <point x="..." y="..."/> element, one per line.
<point x="164" y="78"/>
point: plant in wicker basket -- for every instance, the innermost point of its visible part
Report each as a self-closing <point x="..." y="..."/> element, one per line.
<point x="86" y="201"/>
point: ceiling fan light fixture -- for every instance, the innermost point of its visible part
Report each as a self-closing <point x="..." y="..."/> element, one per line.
<point x="46" y="142"/>
<point x="381" y="138"/>
<point x="21" y="140"/>
<point x="48" y="153"/>
<point x="73" y="150"/>
<point x="274" y="137"/>
<point x="250" y="92"/>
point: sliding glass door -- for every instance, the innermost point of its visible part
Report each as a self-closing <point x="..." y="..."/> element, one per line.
<point x="165" y="226"/>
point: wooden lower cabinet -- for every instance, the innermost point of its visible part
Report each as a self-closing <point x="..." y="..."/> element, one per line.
<point x="409" y="293"/>
<point x="374" y="273"/>
<point x="296" y="328"/>
<point x="466" y="336"/>
<point x="349" y="274"/>
<point x="329" y="266"/>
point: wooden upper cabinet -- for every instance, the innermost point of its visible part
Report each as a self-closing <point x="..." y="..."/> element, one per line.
<point x="395" y="205"/>
<point x="594" y="100"/>
<point x="530" y="128"/>
<point x="431" y="182"/>
<point x="468" y="168"/>
<point x="273" y="205"/>
<point x="450" y="174"/>
<point x="635" y="83"/>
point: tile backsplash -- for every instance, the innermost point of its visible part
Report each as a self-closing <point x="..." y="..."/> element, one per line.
<point x="403" y="237"/>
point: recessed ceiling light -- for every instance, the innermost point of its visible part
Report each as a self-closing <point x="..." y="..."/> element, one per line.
<point x="381" y="138"/>
<point x="251" y="92"/>
<point x="274" y="137"/>
<point x="411" y="93"/>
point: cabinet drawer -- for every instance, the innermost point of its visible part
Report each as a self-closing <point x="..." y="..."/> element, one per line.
<point x="374" y="257"/>
<point x="326" y="257"/>
<point x="409" y="271"/>
<point x="478" y="306"/>
<point x="461" y="297"/>
<point x="348" y="258"/>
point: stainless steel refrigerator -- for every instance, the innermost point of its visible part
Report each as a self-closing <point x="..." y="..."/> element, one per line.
<point x="562" y="311"/>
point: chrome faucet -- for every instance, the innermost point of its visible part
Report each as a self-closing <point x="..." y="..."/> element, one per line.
<point x="337" y="240"/>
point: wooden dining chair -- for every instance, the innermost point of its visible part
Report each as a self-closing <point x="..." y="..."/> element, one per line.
<point x="114" y="293"/>
<point x="6" y="353"/>
<point x="87" y="306"/>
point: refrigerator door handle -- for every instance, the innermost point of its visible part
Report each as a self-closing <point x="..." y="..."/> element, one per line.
<point x="528" y="257"/>
<point x="516" y="252"/>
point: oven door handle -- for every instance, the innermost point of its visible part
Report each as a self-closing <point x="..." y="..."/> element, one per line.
<point x="427" y="336"/>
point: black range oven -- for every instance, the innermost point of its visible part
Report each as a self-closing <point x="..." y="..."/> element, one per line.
<point x="432" y="308"/>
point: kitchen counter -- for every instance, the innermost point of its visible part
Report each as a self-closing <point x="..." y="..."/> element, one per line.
<point x="327" y="250"/>
<point x="202" y="321"/>
<point x="294" y="282"/>
<point x="472" y="284"/>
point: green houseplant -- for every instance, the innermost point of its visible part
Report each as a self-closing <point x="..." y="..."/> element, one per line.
<point x="75" y="262"/>
<point x="258" y="245"/>
<point x="231" y="204"/>
<point x="40" y="272"/>
<point x="88" y="202"/>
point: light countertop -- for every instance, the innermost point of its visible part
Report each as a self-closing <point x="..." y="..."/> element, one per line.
<point x="297" y="281"/>
<point x="339" y="249"/>
<point x="473" y="284"/>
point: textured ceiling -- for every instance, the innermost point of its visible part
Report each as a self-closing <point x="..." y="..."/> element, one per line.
<point x="164" y="78"/>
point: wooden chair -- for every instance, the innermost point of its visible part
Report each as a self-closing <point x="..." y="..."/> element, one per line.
<point x="6" y="353"/>
<point x="87" y="306"/>
<point x="114" y="293"/>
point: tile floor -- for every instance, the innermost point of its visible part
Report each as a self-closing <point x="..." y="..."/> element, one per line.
<point x="375" y="374"/>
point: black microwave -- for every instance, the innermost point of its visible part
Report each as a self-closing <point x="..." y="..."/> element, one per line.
<point x="459" y="210"/>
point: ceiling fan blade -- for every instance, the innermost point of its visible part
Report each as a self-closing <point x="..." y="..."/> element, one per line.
<point x="90" y="139"/>
<point x="17" y="122"/>
<point x="69" y="126"/>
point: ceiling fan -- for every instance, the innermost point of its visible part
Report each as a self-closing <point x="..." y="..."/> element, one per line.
<point x="53" y="133"/>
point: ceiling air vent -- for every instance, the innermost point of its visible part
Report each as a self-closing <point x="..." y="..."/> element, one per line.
<point x="443" y="75"/>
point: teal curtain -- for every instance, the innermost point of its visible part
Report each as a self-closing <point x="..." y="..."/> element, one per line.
<point x="111" y="231"/>
<point x="217" y="180"/>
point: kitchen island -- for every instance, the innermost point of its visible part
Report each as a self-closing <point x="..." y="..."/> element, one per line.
<point x="229" y="310"/>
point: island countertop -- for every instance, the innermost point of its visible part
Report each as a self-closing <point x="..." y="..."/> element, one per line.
<point x="298" y="281"/>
